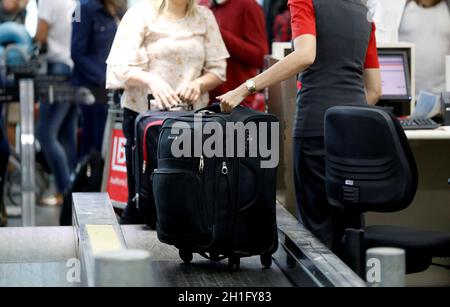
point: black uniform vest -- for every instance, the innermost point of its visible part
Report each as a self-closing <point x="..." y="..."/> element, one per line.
<point x="336" y="77"/>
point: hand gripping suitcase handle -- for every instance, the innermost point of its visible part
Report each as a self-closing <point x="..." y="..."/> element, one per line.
<point x="215" y="109"/>
<point x="182" y="106"/>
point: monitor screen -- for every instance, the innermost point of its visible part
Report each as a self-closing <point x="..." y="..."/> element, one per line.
<point x="393" y="74"/>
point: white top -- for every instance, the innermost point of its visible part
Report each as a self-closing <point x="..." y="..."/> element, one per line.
<point x="177" y="51"/>
<point x="429" y="29"/>
<point x="58" y="15"/>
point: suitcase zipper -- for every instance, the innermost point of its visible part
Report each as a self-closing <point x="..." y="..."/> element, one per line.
<point x="144" y="166"/>
<point x="201" y="166"/>
<point x="224" y="168"/>
<point x="136" y="200"/>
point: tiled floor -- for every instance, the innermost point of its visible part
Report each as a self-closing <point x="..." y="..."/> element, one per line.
<point x="45" y="216"/>
<point x="433" y="277"/>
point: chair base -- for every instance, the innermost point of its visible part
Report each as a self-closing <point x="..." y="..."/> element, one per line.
<point x="420" y="246"/>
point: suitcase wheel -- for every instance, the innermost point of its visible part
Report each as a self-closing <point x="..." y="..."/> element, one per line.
<point x="186" y="256"/>
<point x="234" y="263"/>
<point x="266" y="260"/>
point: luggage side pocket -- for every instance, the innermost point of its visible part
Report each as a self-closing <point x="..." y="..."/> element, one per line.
<point x="179" y="204"/>
<point x="248" y="189"/>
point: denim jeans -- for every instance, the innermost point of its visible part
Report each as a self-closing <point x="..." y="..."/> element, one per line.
<point x="93" y="127"/>
<point x="57" y="134"/>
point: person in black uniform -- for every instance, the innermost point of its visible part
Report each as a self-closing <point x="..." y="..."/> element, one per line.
<point x="335" y="49"/>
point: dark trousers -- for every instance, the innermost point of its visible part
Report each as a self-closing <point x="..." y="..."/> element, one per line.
<point x="131" y="214"/>
<point x="326" y="222"/>
<point x="93" y="127"/>
<point x="57" y="134"/>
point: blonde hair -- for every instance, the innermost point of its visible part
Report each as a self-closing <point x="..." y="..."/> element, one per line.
<point x="161" y="5"/>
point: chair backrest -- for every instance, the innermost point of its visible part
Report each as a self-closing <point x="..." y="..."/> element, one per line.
<point x="369" y="164"/>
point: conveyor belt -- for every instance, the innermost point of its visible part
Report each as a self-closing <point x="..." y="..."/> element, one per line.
<point x="38" y="256"/>
<point x="168" y="270"/>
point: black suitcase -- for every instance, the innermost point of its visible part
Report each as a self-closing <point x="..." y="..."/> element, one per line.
<point x="147" y="128"/>
<point x="217" y="207"/>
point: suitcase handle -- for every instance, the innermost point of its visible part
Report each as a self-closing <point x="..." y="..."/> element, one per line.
<point x="215" y="109"/>
<point x="182" y="106"/>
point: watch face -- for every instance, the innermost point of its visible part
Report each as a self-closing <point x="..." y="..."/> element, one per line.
<point x="251" y="86"/>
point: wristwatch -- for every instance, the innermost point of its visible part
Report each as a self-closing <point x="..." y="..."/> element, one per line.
<point x="251" y="86"/>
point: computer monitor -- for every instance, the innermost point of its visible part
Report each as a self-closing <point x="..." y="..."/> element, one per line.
<point x="396" y="81"/>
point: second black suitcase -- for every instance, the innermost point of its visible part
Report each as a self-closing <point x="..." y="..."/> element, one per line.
<point x="147" y="128"/>
<point x="217" y="207"/>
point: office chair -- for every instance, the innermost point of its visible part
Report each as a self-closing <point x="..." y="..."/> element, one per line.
<point x="371" y="168"/>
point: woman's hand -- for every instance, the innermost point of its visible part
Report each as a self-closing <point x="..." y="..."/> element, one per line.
<point x="232" y="99"/>
<point x="190" y="93"/>
<point x="164" y="95"/>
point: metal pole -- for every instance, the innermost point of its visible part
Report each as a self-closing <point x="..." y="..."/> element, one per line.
<point x="107" y="141"/>
<point x="386" y="267"/>
<point x="125" y="268"/>
<point x="27" y="152"/>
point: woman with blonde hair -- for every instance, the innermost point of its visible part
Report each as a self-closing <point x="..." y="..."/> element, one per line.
<point x="171" y="50"/>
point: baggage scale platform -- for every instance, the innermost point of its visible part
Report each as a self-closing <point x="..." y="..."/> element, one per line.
<point x="49" y="256"/>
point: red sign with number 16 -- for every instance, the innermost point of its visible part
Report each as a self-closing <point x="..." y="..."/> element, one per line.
<point x="117" y="186"/>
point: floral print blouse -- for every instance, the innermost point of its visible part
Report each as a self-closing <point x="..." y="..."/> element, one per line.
<point x="178" y="51"/>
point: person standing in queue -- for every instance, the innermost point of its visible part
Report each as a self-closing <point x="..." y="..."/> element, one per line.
<point x="430" y="75"/>
<point x="94" y="26"/>
<point x="282" y="31"/>
<point x="270" y="11"/>
<point x="57" y="125"/>
<point x="245" y="40"/>
<point x="335" y="50"/>
<point x="92" y="38"/>
<point x="171" y="49"/>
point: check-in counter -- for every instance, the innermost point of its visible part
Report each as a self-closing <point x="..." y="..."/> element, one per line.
<point x="430" y="209"/>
